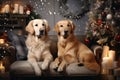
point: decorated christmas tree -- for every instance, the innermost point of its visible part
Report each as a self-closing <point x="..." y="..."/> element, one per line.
<point x="103" y="27"/>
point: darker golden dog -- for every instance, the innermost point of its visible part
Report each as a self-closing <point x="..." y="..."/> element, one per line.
<point x="70" y="50"/>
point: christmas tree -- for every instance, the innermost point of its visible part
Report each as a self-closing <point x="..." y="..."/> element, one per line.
<point x="103" y="27"/>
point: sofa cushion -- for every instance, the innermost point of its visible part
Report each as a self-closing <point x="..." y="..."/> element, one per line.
<point x="23" y="68"/>
<point x="74" y="69"/>
<point x="19" y="42"/>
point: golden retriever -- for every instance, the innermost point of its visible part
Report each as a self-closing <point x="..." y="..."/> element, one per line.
<point x="71" y="50"/>
<point x="38" y="44"/>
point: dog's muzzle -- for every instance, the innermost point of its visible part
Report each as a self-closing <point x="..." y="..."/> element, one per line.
<point x="41" y="33"/>
<point x="65" y="34"/>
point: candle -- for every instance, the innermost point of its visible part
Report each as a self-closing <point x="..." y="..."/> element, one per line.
<point x="2" y="68"/>
<point x="7" y="8"/>
<point x="2" y="41"/>
<point x="107" y="63"/>
<point x="105" y="51"/>
<point x="21" y="9"/>
<point x="15" y="8"/>
<point x="112" y="55"/>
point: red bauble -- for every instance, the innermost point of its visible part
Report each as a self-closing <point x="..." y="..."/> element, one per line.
<point x="99" y="21"/>
<point x="117" y="38"/>
<point x="87" y="41"/>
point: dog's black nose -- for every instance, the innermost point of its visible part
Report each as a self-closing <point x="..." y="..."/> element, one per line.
<point x="66" y="32"/>
<point x="41" y="32"/>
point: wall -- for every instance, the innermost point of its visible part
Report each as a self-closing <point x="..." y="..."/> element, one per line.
<point x="55" y="10"/>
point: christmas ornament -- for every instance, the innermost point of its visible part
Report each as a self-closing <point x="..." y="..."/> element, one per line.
<point x="28" y="12"/>
<point x="99" y="21"/>
<point x="87" y="41"/>
<point x="117" y="37"/>
<point x="109" y="16"/>
<point x="94" y="33"/>
<point x="113" y="23"/>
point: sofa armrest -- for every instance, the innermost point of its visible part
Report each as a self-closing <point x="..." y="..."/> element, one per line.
<point x="97" y="50"/>
<point x="10" y="56"/>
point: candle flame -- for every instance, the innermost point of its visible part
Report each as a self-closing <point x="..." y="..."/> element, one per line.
<point x="2" y="41"/>
<point x="1" y="64"/>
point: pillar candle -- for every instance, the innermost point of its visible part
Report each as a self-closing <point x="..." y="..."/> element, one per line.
<point x="7" y="8"/>
<point x="105" y="51"/>
<point x="107" y="63"/>
<point x="15" y="8"/>
<point x="21" y="11"/>
<point x="112" y="55"/>
<point x="3" y="10"/>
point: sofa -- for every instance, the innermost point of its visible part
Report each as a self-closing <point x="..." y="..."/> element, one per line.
<point x="21" y="69"/>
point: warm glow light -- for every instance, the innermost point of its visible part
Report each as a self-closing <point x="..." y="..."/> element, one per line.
<point x="105" y="51"/>
<point x="2" y="41"/>
<point x="108" y="61"/>
<point x="2" y="68"/>
<point x="112" y="54"/>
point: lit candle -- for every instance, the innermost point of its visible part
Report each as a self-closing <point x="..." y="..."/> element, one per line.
<point x="2" y="41"/>
<point x="15" y="8"/>
<point x="105" y="63"/>
<point x="112" y="55"/>
<point x="7" y="8"/>
<point x="2" y="68"/>
<point x="105" y="51"/>
<point x="21" y="9"/>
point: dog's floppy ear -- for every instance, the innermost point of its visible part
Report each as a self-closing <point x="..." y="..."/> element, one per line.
<point x="73" y="25"/>
<point x="47" y="26"/>
<point x="56" y="28"/>
<point x="29" y="27"/>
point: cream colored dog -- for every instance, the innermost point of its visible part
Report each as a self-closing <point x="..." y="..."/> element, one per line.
<point x="38" y="44"/>
<point x="70" y="50"/>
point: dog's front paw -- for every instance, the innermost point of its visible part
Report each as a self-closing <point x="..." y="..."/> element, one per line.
<point x="60" y="69"/>
<point x="55" y="65"/>
<point x="44" y="66"/>
<point x="38" y="73"/>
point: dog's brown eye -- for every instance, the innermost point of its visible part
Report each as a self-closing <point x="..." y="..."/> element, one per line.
<point x="36" y="24"/>
<point x="68" y="25"/>
<point x="61" y="25"/>
<point x="43" y="24"/>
